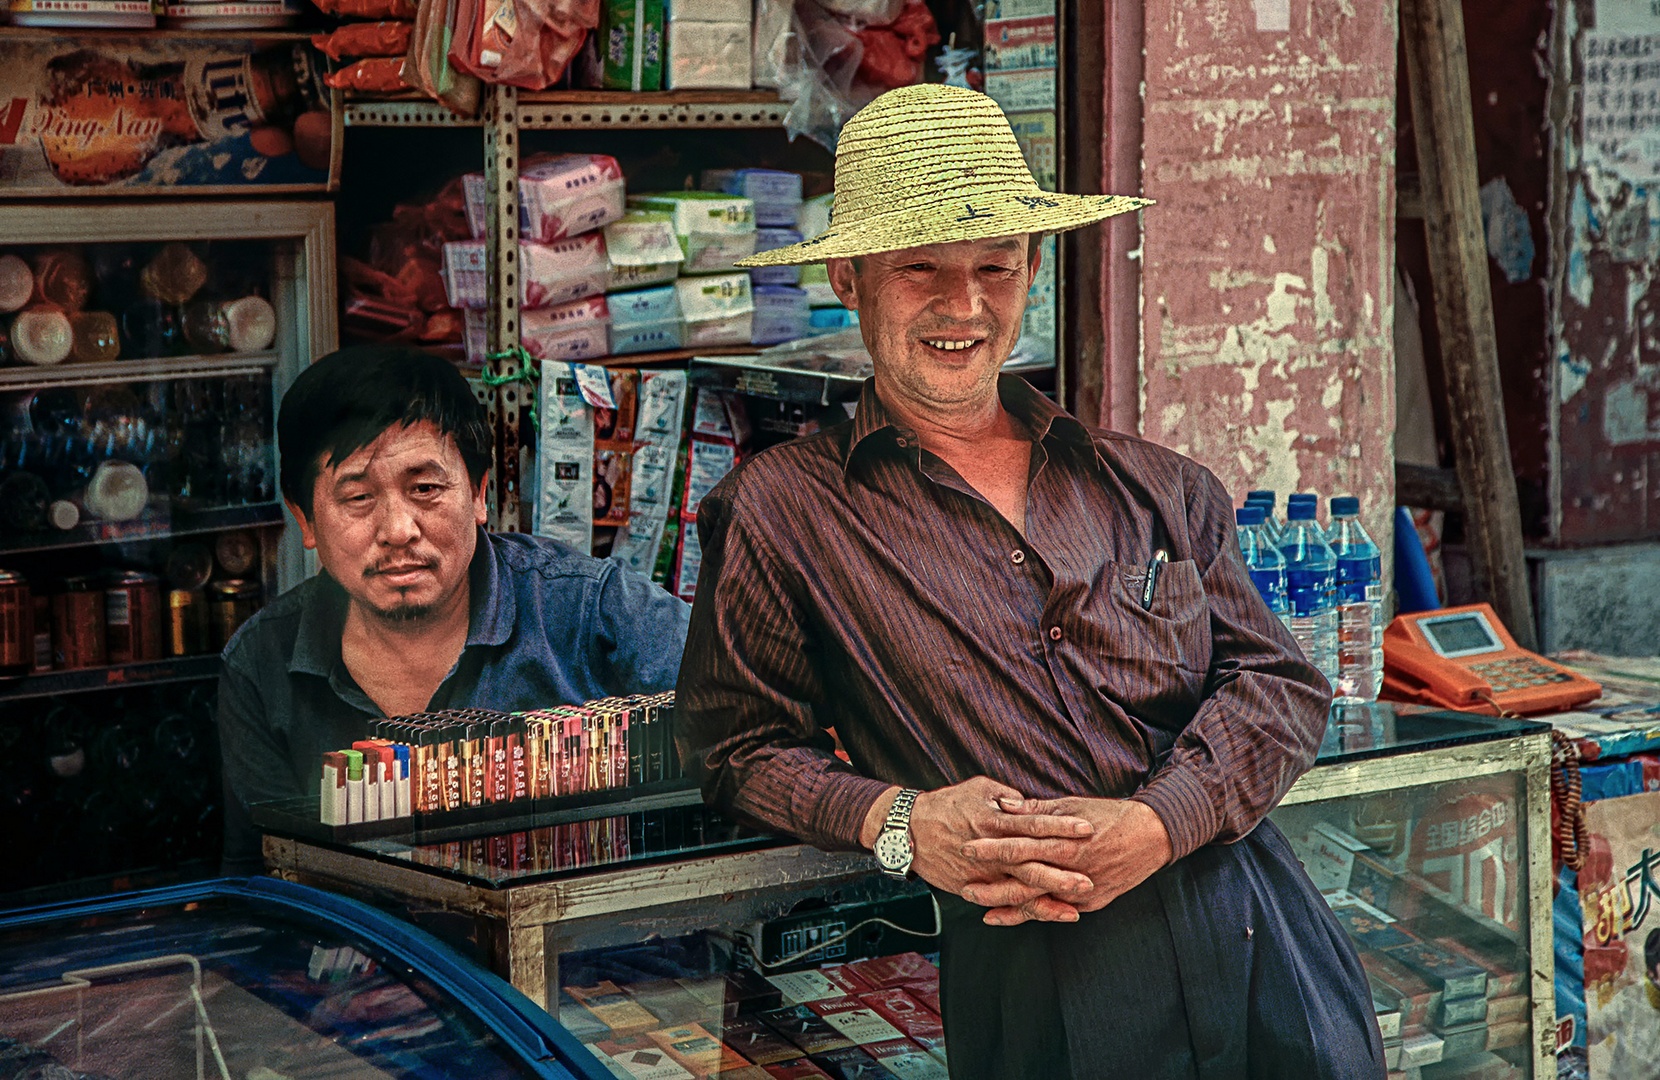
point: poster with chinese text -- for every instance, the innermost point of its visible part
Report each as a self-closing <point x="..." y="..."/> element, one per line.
<point x="1619" y="891"/>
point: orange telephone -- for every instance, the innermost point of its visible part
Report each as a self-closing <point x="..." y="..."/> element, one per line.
<point x="1463" y="658"/>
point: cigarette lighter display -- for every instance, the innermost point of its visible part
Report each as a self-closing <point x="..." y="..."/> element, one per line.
<point x="458" y="766"/>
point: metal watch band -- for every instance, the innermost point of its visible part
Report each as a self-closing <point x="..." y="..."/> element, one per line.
<point x="899" y="814"/>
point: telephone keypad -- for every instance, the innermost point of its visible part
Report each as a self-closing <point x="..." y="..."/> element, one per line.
<point x="1518" y="673"/>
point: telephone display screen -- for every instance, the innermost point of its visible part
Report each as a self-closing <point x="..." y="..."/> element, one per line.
<point x="1464" y="635"/>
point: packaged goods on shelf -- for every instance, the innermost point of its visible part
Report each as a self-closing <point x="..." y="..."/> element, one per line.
<point x="717" y="310"/>
<point x="714" y="230"/>
<point x="568" y="332"/>
<point x="550" y="274"/>
<point x="373" y="74"/>
<point x="641" y="249"/>
<point x="630" y="45"/>
<point x="645" y="321"/>
<point x="781" y="314"/>
<point x="767" y="239"/>
<point x="565" y="462"/>
<point x="776" y="194"/>
<point x="708" y="55"/>
<point x="657" y="434"/>
<point x="559" y="196"/>
<point x="388" y="37"/>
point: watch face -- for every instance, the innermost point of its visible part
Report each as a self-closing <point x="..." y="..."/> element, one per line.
<point x="893" y="849"/>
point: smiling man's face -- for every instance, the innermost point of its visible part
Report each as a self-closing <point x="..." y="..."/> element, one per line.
<point x="396" y="524"/>
<point x="941" y="319"/>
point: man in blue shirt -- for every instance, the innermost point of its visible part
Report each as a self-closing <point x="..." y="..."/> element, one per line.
<point x="385" y="456"/>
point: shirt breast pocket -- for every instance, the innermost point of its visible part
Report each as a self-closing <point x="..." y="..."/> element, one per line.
<point x="1167" y="641"/>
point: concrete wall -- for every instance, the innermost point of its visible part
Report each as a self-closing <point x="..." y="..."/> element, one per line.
<point x="1268" y="263"/>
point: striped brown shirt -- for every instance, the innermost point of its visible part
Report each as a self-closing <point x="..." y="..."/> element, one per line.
<point x="852" y="580"/>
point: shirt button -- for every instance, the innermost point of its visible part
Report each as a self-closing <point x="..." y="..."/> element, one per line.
<point x="901" y="442"/>
<point x="1054" y="633"/>
<point x="1017" y="556"/>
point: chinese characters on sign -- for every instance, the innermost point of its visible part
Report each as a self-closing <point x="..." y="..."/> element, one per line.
<point x="1620" y="115"/>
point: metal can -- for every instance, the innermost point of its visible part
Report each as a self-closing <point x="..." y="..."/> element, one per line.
<point x="17" y="625"/>
<point x="230" y="604"/>
<point x="43" y="633"/>
<point x="188" y="632"/>
<point x="132" y="617"/>
<point x="78" y="624"/>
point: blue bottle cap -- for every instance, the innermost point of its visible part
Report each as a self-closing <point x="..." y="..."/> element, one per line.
<point x="1302" y="497"/>
<point x="1344" y="505"/>
<point x="1249" y="514"/>
<point x="1261" y="495"/>
<point x="1302" y="510"/>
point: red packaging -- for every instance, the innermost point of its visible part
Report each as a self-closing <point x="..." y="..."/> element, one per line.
<point x="388" y="38"/>
<point x="378" y="74"/>
<point x="855" y="1020"/>
<point x="799" y="1069"/>
<point x="905" y="1013"/>
<point x="368" y="9"/>
<point x="896" y="970"/>
<point x="697" y="1051"/>
<point x="927" y="993"/>
<point x="846" y="977"/>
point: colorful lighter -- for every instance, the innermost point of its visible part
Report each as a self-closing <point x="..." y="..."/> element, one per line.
<point x="331" y="808"/>
<point x="354" y="786"/>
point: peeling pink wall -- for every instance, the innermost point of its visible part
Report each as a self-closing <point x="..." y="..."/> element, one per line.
<point x="1267" y="280"/>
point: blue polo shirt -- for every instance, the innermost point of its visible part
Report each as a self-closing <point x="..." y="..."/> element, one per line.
<point x="547" y="626"/>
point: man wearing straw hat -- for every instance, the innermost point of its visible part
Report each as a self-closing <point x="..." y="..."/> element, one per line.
<point x="1065" y="706"/>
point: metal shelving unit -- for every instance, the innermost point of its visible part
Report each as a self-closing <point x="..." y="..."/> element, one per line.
<point x="179" y="523"/>
<point x="115" y="677"/>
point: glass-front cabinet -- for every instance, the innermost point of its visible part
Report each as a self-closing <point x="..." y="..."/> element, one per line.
<point x="674" y="943"/>
<point x="145" y="347"/>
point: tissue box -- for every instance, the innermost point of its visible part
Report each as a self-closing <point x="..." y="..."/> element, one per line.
<point x="713" y="230"/>
<point x="641" y="249"/>
<point x="708" y="55"/>
<point x="549" y="274"/>
<point x="647" y="337"/>
<point x="776" y="194"/>
<point x="767" y="240"/>
<point x="562" y="271"/>
<point x="645" y="321"/>
<point x="709" y="11"/>
<point x="568" y="332"/>
<point x="630" y="37"/>
<point x="781" y="314"/>
<point x="563" y="196"/>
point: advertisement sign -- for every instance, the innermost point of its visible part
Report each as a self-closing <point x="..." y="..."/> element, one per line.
<point x="1619" y="892"/>
<point x="128" y="116"/>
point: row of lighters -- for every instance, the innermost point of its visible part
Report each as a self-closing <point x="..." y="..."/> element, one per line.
<point x="459" y="760"/>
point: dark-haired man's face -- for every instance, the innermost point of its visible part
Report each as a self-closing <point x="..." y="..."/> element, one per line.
<point x="395" y="524"/>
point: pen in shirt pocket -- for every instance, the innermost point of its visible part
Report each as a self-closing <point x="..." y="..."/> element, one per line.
<point x="1154" y="565"/>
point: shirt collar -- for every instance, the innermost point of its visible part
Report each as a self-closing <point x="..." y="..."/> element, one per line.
<point x="492" y="613"/>
<point x="1036" y="413"/>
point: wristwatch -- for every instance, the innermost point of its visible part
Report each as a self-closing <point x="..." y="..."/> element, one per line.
<point x="893" y="843"/>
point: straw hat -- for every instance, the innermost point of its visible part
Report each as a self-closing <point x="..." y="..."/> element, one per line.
<point x="932" y="164"/>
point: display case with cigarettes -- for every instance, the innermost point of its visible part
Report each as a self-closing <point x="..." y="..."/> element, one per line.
<point x="665" y="936"/>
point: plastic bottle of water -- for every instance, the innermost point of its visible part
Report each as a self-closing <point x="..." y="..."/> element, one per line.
<point x="1312" y="500"/>
<point x="1311" y="588"/>
<point x="1271" y="527"/>
<point x="1359" y="603"/>
<point x="1263" y="560"/>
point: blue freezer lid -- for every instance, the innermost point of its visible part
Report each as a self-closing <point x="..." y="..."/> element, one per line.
<point x="265" y="979"/>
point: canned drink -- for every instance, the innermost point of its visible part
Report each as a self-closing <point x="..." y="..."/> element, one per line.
<point x="132" y="617"/>
<point x="43" y="633"/>
<point x="231" y="603"/>
<point x="185" y="622"/>
<point x="17" y="625"/>
<point x="78" y="624"/>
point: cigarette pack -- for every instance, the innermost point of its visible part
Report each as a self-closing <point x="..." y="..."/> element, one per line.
<point x="1508" y="1009"/>
<point x="1370" y="927"/>
<point x="579" y="1021"/>
<point x="630" y="37"/>
<point x="747" y="990"/>
<point x="1415" y="998"/>
<point x="1388" y="1010"/>
<point x="1503" y="980"/>
<point x="799" y="1069"/>
<point x="805" y="1028"/>
<point x="1419" y="1047"/>
<point x="1455" y="976"/>
<point x="926" y="991"/>
<point x="802" y="987"/>
<point x="709" y="55"/>
<point x="1457" y="1012"/>
<point x="757" y="1042"/>
<point x="1392" y="1054"/>
<point x="1510" y="1033"/>
<point x="853" y="1018"/>
<point x="852" y="1063"/>
<point x="905" y="1013"/>
<point x="696" y="1050"/>
<point x="1462" y="1040"/>
<point x="847" y="977"/>
<point x="907" y="1061"/>
<point x="613" y="1008"/>
<point x="642" y="1059"/>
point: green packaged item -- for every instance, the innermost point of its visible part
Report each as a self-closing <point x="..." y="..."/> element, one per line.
<point x="630" y="36"/>
<point x="714" y="230"/>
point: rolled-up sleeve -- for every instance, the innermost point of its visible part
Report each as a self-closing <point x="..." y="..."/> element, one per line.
<point x="1264" y="709"/>
<point x="744" y="718"/>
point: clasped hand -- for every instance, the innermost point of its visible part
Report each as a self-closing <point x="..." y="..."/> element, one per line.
<point x="1045" y="859"/>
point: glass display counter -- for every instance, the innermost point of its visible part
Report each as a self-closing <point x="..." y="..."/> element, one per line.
<point x="1427" y="832"/>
